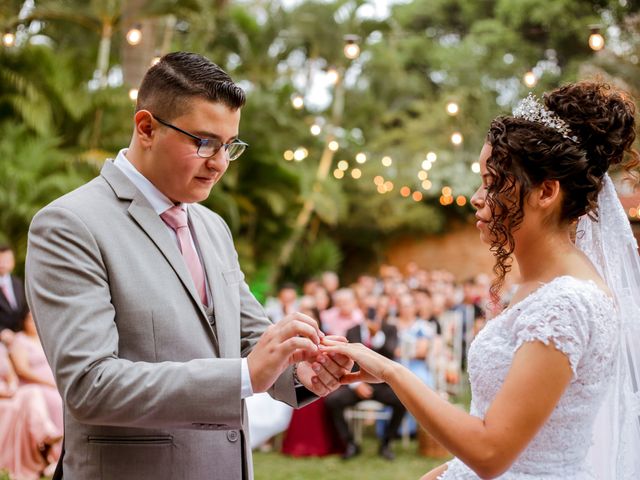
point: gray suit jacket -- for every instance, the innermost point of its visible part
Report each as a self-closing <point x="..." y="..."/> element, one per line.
<point x="151" y="388"/>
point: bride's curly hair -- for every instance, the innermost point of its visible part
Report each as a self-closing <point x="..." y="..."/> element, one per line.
<point x="525" y="153"/>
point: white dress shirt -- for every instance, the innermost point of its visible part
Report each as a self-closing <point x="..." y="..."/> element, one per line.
<point x="161" y="203"/>
<point x="5" y="281"/>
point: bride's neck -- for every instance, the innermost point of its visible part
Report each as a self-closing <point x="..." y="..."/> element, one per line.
<point x="544" y="256"/>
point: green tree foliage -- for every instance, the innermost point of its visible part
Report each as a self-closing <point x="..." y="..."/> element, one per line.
<point x="425" y="54"/>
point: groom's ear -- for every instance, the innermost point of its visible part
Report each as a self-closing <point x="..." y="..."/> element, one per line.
<point x="547" y="194"/>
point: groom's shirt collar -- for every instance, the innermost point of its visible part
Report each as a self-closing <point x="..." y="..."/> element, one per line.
<point x="158" y="200"/>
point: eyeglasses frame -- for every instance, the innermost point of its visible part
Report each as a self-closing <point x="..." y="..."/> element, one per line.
<point x="203" y="141"/>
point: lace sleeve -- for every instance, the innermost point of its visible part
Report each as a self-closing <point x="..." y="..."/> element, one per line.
<point x="558" y="319"/>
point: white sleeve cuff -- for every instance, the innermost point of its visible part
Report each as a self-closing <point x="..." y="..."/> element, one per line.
<point x="378" y="340"/>
<point x="246" y="390"/>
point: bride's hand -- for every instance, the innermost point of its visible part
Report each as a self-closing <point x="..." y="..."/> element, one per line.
<point x="374" y="368"/>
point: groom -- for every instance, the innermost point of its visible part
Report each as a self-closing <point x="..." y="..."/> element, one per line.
<point x="142" y="308"/>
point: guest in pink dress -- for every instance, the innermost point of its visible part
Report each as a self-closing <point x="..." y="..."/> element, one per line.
<point x="26" y="431"/>
<point x="32" y="368"/>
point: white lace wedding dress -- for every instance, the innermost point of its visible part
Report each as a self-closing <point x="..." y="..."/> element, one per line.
<point x="581" y="321"/>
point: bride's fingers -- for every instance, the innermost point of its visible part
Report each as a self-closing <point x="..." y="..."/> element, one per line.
<point x="352" y="377"/>
<point x="336" y="338"/>
<point x="341" y="360"/>
<point x="343" y="349"/>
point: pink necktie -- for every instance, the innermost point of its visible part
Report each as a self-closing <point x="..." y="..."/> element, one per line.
<point x="176" y="218"/>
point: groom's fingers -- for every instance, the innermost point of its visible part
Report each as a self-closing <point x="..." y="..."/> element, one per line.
<point x="327" y="372"/>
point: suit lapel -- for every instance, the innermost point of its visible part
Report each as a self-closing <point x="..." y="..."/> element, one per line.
<point x="213" y="268"/>
<point x="4" y="302"/>
<point x="144" y="215"/>
<point x="18" y="292"/>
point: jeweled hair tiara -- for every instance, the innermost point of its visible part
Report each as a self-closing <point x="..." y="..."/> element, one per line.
<point x="531" y="109"/>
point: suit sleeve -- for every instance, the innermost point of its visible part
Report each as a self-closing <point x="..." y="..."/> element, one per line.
<point x="253" y="322"/>
<point x="68" y="292"/>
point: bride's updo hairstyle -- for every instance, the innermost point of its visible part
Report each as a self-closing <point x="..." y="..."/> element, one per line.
<point x="525" y="153"/>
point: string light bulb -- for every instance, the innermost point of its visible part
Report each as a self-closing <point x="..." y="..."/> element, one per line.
<point x="452" y="108"/>
<point x="596" y="40"/>
<point x="387" y="161"/>
<point x="530" y="79"/>
<point x="134" y="35"/>
<point x="297" y="101"/>
<point x="300" y="154"/>
<point x="133" y="94"/>
<point x="351" y="47"/>
<point x="456" y="138"/>
<point x="8" y="39"/>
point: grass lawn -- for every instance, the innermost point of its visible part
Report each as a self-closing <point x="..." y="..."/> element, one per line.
<point x="409" y="464"/>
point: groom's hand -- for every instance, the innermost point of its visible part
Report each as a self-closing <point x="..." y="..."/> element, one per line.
<point x="322" y="375"/>
<point x="293" y="339"/>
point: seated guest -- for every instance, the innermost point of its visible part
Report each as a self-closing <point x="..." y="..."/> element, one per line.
<point x="330" y="282"/>
<point x="26" y="430"/>
<point x="415" y="340"/>
<point x="13" y="304"/>
<point x="383" y="339"/>
<point x="343" y="316"/>
<point x="415" y="336"/>
<point x="32" y="368"/>
<point x="309" y="287"/>
<point x="286" y="303"/>
<point x="322" y="298"/>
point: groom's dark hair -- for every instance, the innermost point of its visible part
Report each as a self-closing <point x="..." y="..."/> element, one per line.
<point x="178" y="77"/>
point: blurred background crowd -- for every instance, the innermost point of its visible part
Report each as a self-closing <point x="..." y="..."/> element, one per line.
<point x="424" y="319"/>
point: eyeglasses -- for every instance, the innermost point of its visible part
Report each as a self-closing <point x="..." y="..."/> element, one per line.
<point x="208" y="147"/>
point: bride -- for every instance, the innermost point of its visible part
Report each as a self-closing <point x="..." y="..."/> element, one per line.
<point x="553" y="364"/>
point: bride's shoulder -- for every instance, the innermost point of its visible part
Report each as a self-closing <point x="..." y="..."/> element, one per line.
<point x="576" y="292"/>
<point x="565" y="301"/>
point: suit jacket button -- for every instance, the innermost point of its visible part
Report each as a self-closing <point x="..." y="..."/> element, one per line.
<point x="232" y="435"/>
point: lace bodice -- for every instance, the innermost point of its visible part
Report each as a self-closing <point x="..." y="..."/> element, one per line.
<point x="581" y="321"/>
